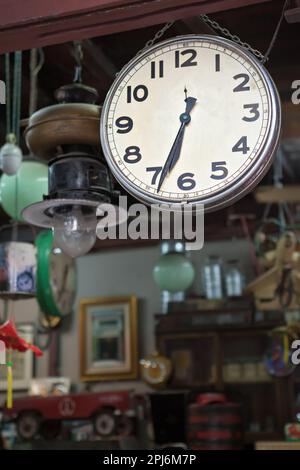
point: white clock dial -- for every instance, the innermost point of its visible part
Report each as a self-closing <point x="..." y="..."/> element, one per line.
<point x="192" y="119"/>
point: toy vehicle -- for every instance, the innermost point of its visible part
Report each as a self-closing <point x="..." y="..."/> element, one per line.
<point x="112" y="413"/>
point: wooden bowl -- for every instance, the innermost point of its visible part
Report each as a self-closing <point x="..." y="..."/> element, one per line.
<point x="62" y="124"/>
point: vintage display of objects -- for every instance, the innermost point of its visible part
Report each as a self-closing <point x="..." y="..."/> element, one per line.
<point x="78" y="179"/>
<point x="27" y="187"/>
<point x="279" y="287"/>
<point x="174" y="272"/>
<point x="220" y="152"/>
<point x="17" y="270"/>
<point x="11" y="339"/>
<point x="56" y="277"/>
<point x="156" y="370"/>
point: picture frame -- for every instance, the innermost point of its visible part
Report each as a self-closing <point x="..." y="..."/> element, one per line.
<point x="23" y="363"/>
<point x="108" y="338"/>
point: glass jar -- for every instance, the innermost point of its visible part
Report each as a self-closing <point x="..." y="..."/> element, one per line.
<point x="212" y="278"/>
<point x="234" y="279"/>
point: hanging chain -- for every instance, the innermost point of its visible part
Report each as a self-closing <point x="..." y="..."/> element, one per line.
<point x="157" y="36"/>
<point x="225" y="32"/>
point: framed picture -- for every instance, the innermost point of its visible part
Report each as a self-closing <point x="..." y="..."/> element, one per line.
<point x="22" y="362"/>
<point x="108" y="338"/>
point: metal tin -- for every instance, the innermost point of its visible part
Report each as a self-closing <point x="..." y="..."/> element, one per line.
<point x="17" y="270"/>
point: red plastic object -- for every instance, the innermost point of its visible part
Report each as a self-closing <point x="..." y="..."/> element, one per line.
<point x="9" y="335"/>
<point x="204" y="399"/>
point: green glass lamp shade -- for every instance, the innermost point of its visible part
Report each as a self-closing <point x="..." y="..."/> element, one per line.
<point x="173" y="272"/>
<point x="26" y="187"/>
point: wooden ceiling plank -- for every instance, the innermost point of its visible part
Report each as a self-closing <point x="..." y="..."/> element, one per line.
<point x="110" y="17"/>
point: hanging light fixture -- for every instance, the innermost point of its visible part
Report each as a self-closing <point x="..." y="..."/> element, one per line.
<point x="26" y="187"/>
<point x="10" y="153"/>
<point x="67" y="134"/>
<point x="173" y="273"/>
<point x="78" y="183"/>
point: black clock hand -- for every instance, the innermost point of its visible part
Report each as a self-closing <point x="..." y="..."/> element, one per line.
<point x="176" y="147"/>
<point x="190" y="103"/>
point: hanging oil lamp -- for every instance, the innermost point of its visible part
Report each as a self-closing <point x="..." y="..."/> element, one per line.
<point x="67" y="135"/>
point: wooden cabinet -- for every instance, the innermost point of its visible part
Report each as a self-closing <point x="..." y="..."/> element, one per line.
<point x="230" y="359"/>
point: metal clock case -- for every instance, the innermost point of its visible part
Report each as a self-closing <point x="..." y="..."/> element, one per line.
<point x="56" y="278"/>
<point x="218" y="103"/>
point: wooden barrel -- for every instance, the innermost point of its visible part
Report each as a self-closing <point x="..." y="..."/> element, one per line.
<point x="214" y="426"/>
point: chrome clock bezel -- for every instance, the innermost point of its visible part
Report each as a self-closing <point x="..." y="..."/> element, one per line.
<point x="240" y="186"/>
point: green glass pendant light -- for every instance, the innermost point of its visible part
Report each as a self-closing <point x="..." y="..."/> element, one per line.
<point x="26" y="187"/>
<point x="173" y="272"/>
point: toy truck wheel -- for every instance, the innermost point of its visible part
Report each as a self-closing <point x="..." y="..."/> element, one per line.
<point x="28" y="425"/>
<point x="105" y="423"/>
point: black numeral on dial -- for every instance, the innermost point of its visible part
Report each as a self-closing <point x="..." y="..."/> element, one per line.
<point x="253" y="109"/>
<point x="242" y="86"/>
<point x="241" y="145"/>
<point x="189" y="61"/>
<point x="219" y="167"/>
<point x="186" y="181"/>
<point x="125" y="124"/>
<point x="157" y="69"/>
<point x="132" y="154"/>
<point x="139" y="93"/>
<point x="217" y="62"/>
<point x="156" y="170"/>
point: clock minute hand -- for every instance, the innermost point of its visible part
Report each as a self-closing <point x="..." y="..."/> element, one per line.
<point x="174" y="149"/>
<point x="190" y="103"/>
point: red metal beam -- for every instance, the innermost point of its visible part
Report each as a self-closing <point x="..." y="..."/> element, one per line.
<point x="37" y="23"/>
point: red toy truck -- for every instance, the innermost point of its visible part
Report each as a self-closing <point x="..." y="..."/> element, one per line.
<point x="110" y="412"/>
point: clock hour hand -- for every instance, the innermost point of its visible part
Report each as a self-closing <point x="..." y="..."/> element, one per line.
<point x="176" y="147"/>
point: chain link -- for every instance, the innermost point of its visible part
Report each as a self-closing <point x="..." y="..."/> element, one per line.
<point x="225" y="32"/>
<point x="157" y="36"/>
<point x="217" y="27"/>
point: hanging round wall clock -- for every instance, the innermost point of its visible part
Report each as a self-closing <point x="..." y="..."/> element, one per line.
<point x="56" y="278"/>
<point x="193" y="119"/>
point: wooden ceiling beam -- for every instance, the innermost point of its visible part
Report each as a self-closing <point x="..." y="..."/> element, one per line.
<point x="24" y="25"/>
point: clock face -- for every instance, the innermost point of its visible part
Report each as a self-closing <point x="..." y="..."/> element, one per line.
<point x="62" y="276"/>
<point x="192" y="119"/>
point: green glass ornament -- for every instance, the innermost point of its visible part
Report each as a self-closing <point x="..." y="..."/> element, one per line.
<point x="26" y="187"/>
<point x="173" y="272"/>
